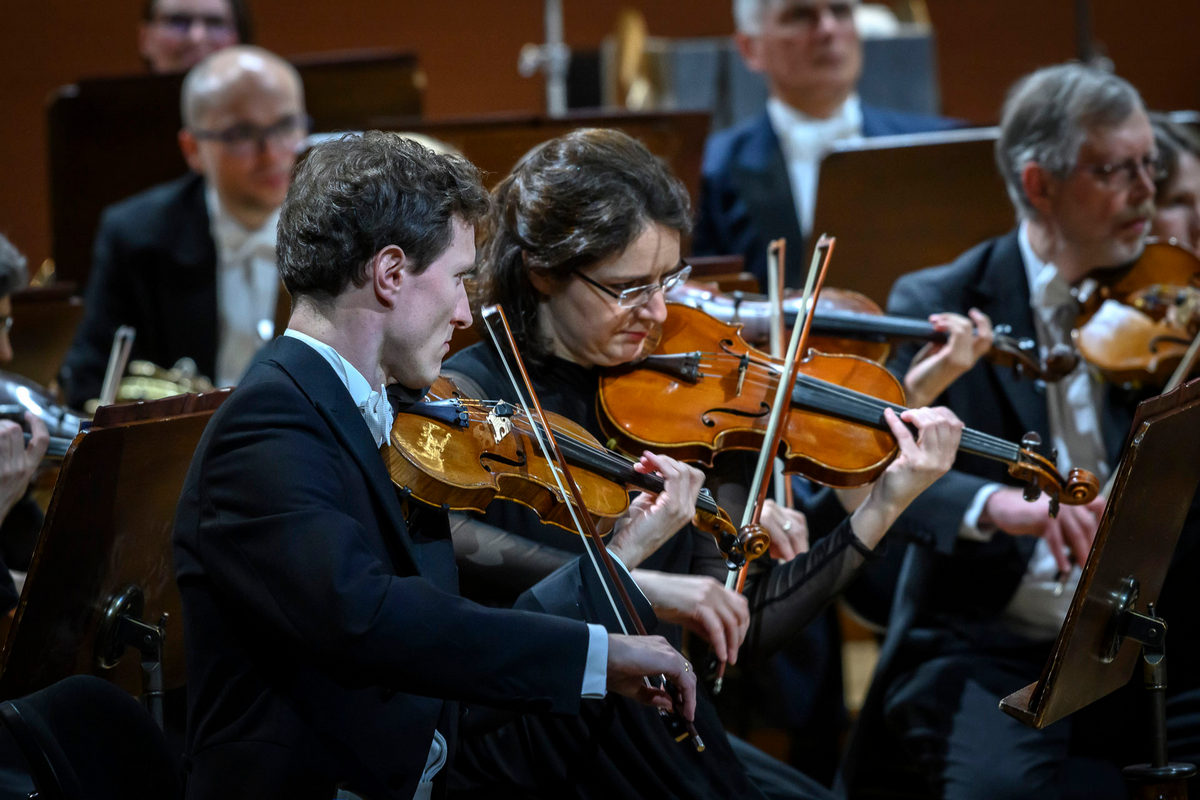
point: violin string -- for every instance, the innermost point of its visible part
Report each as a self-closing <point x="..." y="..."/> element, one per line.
<point x="614" y="465"/>
<point x="862" y="408"/>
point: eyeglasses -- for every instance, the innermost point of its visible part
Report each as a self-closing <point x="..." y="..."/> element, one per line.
<point x="246" y="138"/>
<point x="1123" y="174"/>
<point x="638" y="295"/>
<point x="181" y="24"/>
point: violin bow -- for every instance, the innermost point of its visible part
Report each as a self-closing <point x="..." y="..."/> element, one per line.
<point x="774" y="432"/>
<point x="601" y="561"/>
<point x="776" y="271"/>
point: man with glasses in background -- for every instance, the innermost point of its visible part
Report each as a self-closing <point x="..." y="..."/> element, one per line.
<point x="190" y="264"/>
<point x="175" y="35"/>
<point x="1079" y="161"/>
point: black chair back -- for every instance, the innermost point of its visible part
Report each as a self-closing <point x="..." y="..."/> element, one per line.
<point x="85" y="738"/>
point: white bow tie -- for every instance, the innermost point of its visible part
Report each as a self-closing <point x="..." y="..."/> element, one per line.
<point x="377" y="413"/>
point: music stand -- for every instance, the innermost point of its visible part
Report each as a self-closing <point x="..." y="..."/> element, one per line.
<point x="1111" y="616"/>
<point x="103" y="577"/>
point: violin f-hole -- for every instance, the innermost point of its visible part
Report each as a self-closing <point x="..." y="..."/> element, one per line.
<point x="709" y="422"/>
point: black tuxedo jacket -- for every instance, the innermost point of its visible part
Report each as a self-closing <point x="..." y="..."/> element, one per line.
<point x="323" y="628"/>
<point x="975" y="579"/>
<point x="153" y="267"/>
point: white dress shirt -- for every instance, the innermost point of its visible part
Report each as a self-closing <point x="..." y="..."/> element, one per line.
<point x="1039" y="605"/>
<point x="377" y="413"/>
<point x="247" y="289"/>
<point x="804" y="140"/>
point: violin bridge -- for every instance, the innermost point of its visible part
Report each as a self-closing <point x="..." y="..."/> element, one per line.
<point x="500" y="426"/>
<point x="743" y="366"/>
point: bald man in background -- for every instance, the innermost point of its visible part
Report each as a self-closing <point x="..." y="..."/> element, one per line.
<point x="190" y="264"/>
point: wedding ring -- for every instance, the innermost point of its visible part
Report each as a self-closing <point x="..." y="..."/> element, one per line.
<point x="787" y="526"/>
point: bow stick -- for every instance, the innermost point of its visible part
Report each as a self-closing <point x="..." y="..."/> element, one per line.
<point x="776" y="261"/>
<point x="601" y="561"/>
<point x="774" y="433"/>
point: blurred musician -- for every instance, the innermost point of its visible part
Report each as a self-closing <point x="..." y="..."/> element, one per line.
<point x="190" y="264"/>
<point x="759" y="178"/>
<point x="1079" y="160"/>
<point x="19" y="460"/>
<point x="1177" y="202"/>
<point x="176" y="35"/>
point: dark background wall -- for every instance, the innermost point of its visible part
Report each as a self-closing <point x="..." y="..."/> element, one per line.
<point x="468" y="49"/>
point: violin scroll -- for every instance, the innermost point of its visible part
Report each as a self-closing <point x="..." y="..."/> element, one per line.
<point x="754" y="541"/>
<point x="1039" y="474"/>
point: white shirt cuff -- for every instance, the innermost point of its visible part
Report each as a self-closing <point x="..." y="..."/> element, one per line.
<point x="595" y="671"/>
<point x="969" y="528"/>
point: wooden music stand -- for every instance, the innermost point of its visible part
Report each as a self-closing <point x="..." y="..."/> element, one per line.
<point x="103" y="577"/>
<point x="495" y="142"/>
<point x="900" y="203"/>
<point x="1112" y="611"/>
<point x="44" y="322"/>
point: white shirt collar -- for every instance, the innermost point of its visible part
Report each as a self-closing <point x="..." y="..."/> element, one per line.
<point x="1047" y="288"/>
<point x="234" y="241"/>
<point x="358" y="386"/>
<point x="805" y="137"/>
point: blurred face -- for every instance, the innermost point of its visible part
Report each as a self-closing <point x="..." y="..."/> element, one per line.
<point x="182" y="32"/>
<point x="245" y="144"/>
<point x="586" y="325"/>
<point x="6" y="351"/>
<point x="432" y="305"/>
<point x="1101" y="210"/>
<point x="808" y="51"/>
<point x="1178" y="214"/>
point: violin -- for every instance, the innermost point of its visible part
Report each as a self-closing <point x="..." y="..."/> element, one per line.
<point x="1136" y="322"/>
<point x="462" y="453"/>
<point x="851" y="323"/>
<point x="713" y="392"/>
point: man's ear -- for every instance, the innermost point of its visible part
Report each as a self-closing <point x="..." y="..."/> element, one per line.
<point x="191" y="151"/>
<point x="747" y="45"/>
<point x="1039" y="185"/>
<point x="387" y="273"/>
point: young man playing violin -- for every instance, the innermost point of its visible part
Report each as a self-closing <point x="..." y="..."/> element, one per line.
<point x="1079" y="161"/>
<point x="327" y="644"/>
<point x="583" y="237"/>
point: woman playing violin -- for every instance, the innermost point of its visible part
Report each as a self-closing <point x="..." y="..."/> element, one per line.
<point x="583" y="237"/>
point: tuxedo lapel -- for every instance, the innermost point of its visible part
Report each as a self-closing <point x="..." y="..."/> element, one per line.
<point x="332" y="401"/>
<point x="1003" y="294"/>
<point x="188" y="285"/>
<point x="761" y="178"/>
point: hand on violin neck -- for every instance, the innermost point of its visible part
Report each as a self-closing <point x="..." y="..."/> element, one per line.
<point x="939" y="364"/>
<point x="653" y="519"/>
<point x="632" y="659"/>
<point x="1069" y="535"/>
<point x="788" y="529"/>
<point x="921" y="461"/>
<point x="702" y="605"/>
